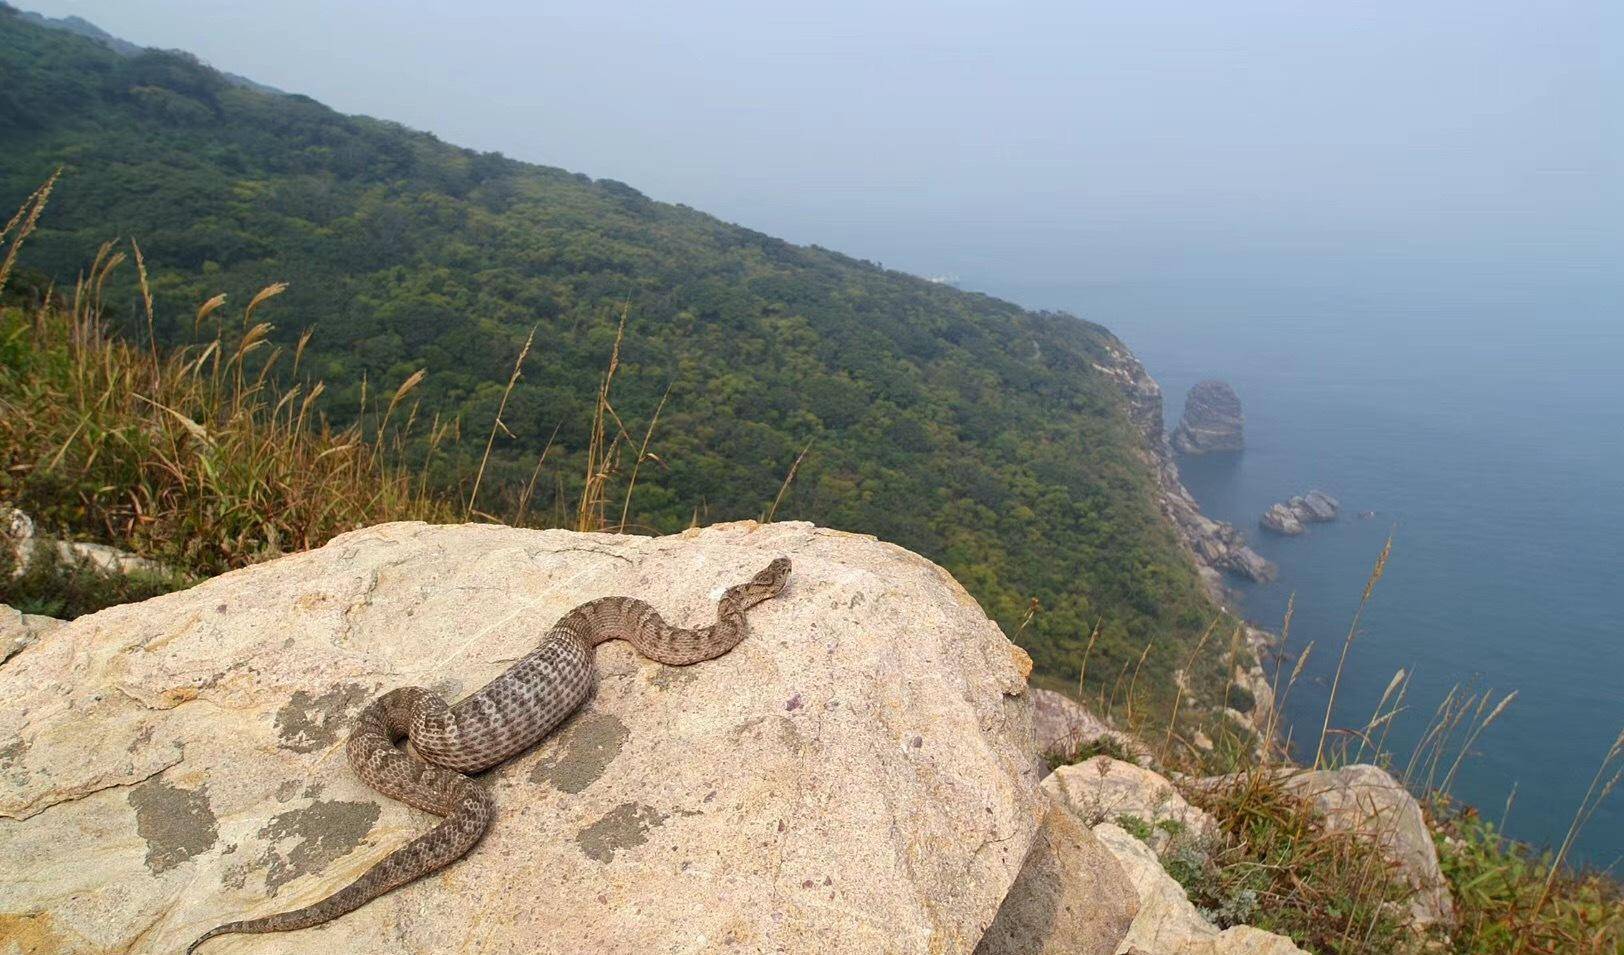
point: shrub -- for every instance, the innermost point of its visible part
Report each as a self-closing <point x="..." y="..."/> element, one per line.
<point x="55" y="586"/>
<point x="1497" y="885"/>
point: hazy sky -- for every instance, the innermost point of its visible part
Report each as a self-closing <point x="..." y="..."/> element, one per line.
<point x="1010" y="144"/>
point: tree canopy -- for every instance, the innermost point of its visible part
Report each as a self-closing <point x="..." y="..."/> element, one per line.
<point x="962" y="427"/>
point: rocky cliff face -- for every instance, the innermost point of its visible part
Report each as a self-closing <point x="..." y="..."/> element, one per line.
<point x="1217" y="547"/>
<point x="859" y="775"/>
<point x="1212" y="420"/>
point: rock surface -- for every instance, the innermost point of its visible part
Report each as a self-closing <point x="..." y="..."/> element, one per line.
<point x="1367" y="800"/>
<point x="1212" y="420"/>
<point x="859" y="775"/>
<point x="1255" y="680"/>
<point x="1071" y="898"/>
<point x="19" y="630"/>
<point x="1218" y="548"/>
<point x="1167" y="923"/>
<point x="1103" y="789"/>
<point x="1063" y="727"/>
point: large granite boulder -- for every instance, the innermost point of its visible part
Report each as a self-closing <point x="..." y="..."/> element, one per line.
<point x="859" y="775"/>
<point x="1212" y="420"/>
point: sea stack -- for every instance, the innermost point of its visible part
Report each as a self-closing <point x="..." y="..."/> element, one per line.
<point x="1212" y="420"/>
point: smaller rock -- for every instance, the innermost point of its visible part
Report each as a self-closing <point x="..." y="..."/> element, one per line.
<point x="1282" y="520"/>
<point x="1103" y="789"/>
<point x="18" y="630"/>
<point x="1255" y="681"/>
<point x="1315" y="507"/>
<point x="17" y="532"/>
<point x="1071" y="897"/>
<point x="1064" y="728"/>
<point x="1167" y="923"/>
<point x="1367" y="800"/>
<point x="16" y="525"/>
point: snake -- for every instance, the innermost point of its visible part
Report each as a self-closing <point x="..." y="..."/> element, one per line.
<point x="493" y="724"/>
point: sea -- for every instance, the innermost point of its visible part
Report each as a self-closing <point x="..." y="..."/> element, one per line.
<point x="1481" y="427"/>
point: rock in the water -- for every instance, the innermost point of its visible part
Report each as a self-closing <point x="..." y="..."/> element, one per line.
<point x="1315" y="507"/>
<point x="1103" y="789"/>
<point x="1167" y="923"/>
<point x="1072" y="898"/>
<point x="1280" y="519"/>
<point x="859" y="775"/>
<point x="1212" y="420"/>
<point x="19" y="630"/>
<point x="1367" y="800"/>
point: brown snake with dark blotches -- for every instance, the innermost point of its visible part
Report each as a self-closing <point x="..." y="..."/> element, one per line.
<point x="507" y="716"/>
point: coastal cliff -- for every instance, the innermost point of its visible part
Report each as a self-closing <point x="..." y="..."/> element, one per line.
<point x="1218" y="547"/>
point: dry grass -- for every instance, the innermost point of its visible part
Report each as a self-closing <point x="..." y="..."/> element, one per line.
<point x="783" y="489"/>
<point x="1347" y="644"/>
<point x="1329" y="890"/>
<point x="201" y="457"/>
<point x="498" y="425"/>
<point x="217" y="454"/>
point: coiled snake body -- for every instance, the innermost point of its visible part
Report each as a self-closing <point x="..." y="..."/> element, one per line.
<point x="504" y="718"/>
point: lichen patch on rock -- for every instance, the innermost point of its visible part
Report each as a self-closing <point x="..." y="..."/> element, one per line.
<point x="176" y="823"/>
<point x="324" y="831"/>
<point x="310" y="722"/>
<point x="583" y="752"/>
<point x="625" y="826"/>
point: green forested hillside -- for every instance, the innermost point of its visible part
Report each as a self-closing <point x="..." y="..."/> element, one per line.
<point x="954" y="424"/>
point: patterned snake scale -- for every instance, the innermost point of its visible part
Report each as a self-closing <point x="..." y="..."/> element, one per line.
<point x="509" y="715"/>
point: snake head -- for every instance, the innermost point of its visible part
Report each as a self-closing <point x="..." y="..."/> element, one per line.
<point x="770" y="581"/>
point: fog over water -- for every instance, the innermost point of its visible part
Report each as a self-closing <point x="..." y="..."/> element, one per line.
<point x="1395" y="227"/>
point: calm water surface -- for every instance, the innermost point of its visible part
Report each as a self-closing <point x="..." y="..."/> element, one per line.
<point x="1485" y="427"/>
